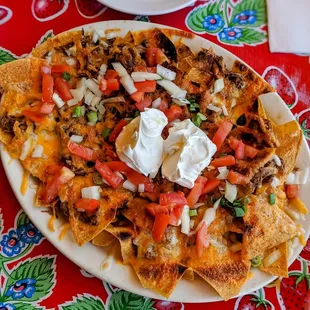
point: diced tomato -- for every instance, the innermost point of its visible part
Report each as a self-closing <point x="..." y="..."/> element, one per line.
<point x="233" y="142"/>
<point x="52" y="187"/>
<point x="163" y="105"/>
<point x="150" y="55"/>
<point x="175" y="215"/>
<point x="144" y="69"/>
<point x="292" y="191"/>
<point x="47" y="87"/>
<point x="53" y="169"/>
<point x="87" y="204"/>
<point x="210" y="186"/>
<point x="60" y="68"/>
<point x="202" y="239"/>
<point x="154" y="208"/>
<point x="176" y="199"/>
<point x="145" y="103"/>
<point x="111" y="74"/>
<point x="81" y="151"/>
<point x="137" y="96"/>
<point x="117" y="130"/>
<point x="196" y="191"/>
<point x="45" y="70"/>
<point x="239" y="152"/>
<point x="118" y="166"/>
<point x="223" y="161"/>
<point x="108" y="92"/>
<point x="111" y="177"/>
<point x="146" y="86"/>
<point x="222" y="133"/>
<point x="47" y="108"/>
<point x="137" y="178"/>
<point x="33" y="116"/>
<point x="159" y="226"/>
<point x="250" y="151"/>
<point x="63" y="89"/>
<point x="173" y="113"/>
<point x="111" y="154"/>
<point x="112" y="84"/>
<point x="237" y="178"/>
<point x="103" y="85"/>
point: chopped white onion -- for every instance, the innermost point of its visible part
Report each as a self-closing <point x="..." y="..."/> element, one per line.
<point x="101" y="108"/>
<point x="78" y="93"/>
<point x="88" y="97"/>
<point x="208" y="218"/>
<point x="156" y="103"/>
<point x="213" y="108"/>
<point x="230" y="192"/>
<point x="119" y="174"/>
<point x="141" y="188"/>
<point x="72" y="102"/>
<point x="119" y="68"/>
<point x="172" y="88"/>
<point x="71" y="61"/>
<point x="298" y="176"/>
<point x="76" y="138"/>
<point x="38" y="151"/>
<point x="128" y="84"/>
<point x="236" y="247"/>
<point x="144" y="76"/>
<point x="114" y="99"/>
<point x="111" y="35"/>
<point x="233" y="102"/>
<point x="103" y="69"/>
<point x="95" y="36"/>
<point x="180" y="95"/>
<point x="185" y="221"/>
<point x="94" y="87"/>
<point x="91" y="192"/>
<point x="294" y="215"/>
<point x="181" y="102"/>
<point x="95" y="101"/>
<point x="275" y="182"/>
<point x="59" y="102"/>
<point x="192" y="224"/>
<point x="290" y="178"/>
<point x="277" y="160"/>
<point x="223" y="173"/>
<point x="165" y="73"/>
<point x="130" y="186"/>
<point x="27" y="145"/>
<point x="217" y="203"/>
<point x="218" y="85"/>
<point x="224" y="109"/>
<point x="271" y="258"/>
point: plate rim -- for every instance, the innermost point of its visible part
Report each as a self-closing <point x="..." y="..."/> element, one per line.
<point x="54" y="241"/>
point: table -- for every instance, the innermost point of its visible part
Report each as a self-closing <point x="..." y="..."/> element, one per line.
<point x="34" y="274"/>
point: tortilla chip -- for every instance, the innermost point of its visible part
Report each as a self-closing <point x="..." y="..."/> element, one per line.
<point x="266" y="226"/>
<point x="280" y="266"/>
<point x="56" y="41"/>
<point x="189" y="274"/>
<point x="103" y="239"/>
<point x="111" y="200"/>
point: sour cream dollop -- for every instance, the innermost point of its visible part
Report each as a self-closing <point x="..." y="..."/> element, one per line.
<point x="187" y="151"/>
<point x="140" y="144"/>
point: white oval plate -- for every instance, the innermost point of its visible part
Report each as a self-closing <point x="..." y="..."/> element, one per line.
<point x="90" y="257"/>
<point x="147" y="7"/>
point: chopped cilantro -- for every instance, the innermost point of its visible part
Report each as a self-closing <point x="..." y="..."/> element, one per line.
<point x="66" y="76"/>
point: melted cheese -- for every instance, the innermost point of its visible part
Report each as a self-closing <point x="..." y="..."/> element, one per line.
<point x="50" y="144"/>
<point x="52" y="220"/>
<point x="63" y="231"/>
<point x="25" y="182"/>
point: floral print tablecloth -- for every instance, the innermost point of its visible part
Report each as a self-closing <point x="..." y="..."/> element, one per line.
<point x="33" y="274"/>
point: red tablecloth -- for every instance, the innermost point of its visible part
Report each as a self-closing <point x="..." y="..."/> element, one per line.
<point x="34" y="274"/>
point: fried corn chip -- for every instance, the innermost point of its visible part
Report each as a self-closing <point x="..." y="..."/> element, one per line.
<point x="103" y="239"/>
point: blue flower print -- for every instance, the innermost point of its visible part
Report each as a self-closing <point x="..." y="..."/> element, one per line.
<point x="7" y="306"/>
<point x="213" y="22"/>
<point x="11" y="244"/>
<point x="29" y="234"/>
<point x="245" y="17"/>
<point x="230" y="33"/>
<point x="22" y="288"/>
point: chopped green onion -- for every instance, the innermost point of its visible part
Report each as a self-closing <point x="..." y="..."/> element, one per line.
<point x="203" y="117"/>
<point x="272" y="199"/>
<point x="192" y="100"/>
<point x="92" y="117"/>
<point x="192" y="212"/>
<point x="66" y="76"/>
<point x="193" y="106"/>
<point x="77" y="112"/>
<point x="256" y="261"/>
<point x="239" y="212"/>
<point x="97" y="178"/>
<point x="106" y="132"/>
<point x="196" y="120"/>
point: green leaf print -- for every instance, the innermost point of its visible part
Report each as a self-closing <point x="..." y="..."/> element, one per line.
<point x="22" y="219"/>
<point x="26" y="306"/>
<point x="124" y="300"/>
<point x="39" y="273"/>
<point x="6" y="56"/>
<point x="85" y="303"/>
<point x="259" y="8"/>
<point x="252" y="36"/>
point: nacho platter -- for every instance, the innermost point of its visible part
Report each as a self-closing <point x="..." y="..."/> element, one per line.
<point x="196" y="290"/>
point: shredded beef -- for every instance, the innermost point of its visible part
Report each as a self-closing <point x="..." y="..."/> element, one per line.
<point x="236" y="79"/>
<point x="88" y="219"/>
<point x="64" y="209"/>
<point x="7" y="123"/>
